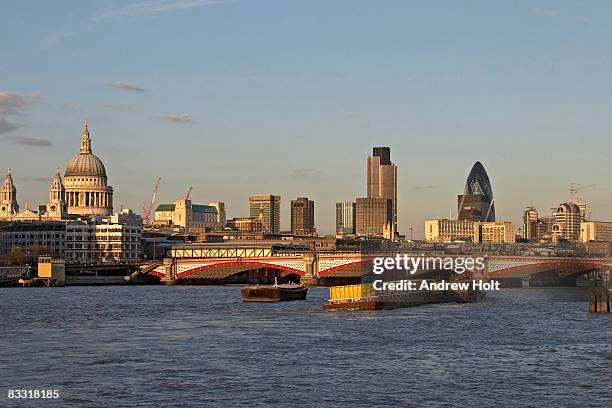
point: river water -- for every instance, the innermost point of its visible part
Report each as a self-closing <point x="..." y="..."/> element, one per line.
<point x="201" y="346"/>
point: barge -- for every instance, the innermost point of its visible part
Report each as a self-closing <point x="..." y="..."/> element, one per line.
<point x="365" y="297"/>
<point x="274" y="293"/>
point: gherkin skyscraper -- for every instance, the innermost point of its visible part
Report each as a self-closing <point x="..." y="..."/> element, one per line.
<point x="476" y="203"/>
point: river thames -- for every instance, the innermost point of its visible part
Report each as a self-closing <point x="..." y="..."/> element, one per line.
<point x="201" y="346"/>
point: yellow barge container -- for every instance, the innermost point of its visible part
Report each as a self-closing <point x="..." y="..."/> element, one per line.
<point x="365" y="297"/>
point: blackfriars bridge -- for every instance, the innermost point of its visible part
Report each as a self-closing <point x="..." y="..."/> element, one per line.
<point x="219" y="263"/>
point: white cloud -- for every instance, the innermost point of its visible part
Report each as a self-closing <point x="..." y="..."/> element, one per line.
<point x="142" y="8"/>
<point x="183" y="117"/>
<point x="27" y="141"/>
<point x="305" y="173"/>
<point x="12" y="102"/>
<point x="6" y="126"/>
<point x="41" y="179"/>
<point x="126" y="87"/>
<point x="55" y="39"/>
<point x="544" y="12"/>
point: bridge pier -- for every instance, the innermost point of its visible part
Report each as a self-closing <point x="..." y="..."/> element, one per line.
<point x="600" y="294"/>
<point x="170" y="272"/>
<point x="525" y="281"/>
<point x="311" y="276"/>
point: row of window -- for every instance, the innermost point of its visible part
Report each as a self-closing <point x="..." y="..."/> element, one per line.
<point x="84" y="256"/>
<point x="119" y="229"/>
<point x="100" y="246"/>
<point x="12" y="236"/>
<point x="10" y="244"/>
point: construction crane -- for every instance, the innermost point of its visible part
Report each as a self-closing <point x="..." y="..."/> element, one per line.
<point x="188" y="195"/>
<point x="147" y="212"/>
<point x="575" y="188"/>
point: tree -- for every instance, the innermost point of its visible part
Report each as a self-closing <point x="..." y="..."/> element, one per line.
<point x="28" y="255"/>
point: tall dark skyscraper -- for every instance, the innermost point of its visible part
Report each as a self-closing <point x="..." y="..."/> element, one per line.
<point x="476" y="203"/>
<point x="382" y="181"/>
<point x="302" y="216"/>
<point x="384" y="153"/>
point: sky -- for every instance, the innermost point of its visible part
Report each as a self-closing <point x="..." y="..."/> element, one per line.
<point x="242" y="97"/>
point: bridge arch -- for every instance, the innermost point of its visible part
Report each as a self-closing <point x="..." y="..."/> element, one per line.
<point x="327" y="268"/>
<point x="239" y="267"/>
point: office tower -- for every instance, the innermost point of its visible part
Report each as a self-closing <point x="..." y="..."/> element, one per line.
<point x="566" y="226"/>
<point x="382" y="180"/>
<point x="530" y="220"/>
<point x="384" y="153"/>
<point x="302" y="216"/>
<point x="345" y="218"/>
<point x="476" y="203"/>
<point x="267" y="208"/>
<point x="374" y="217"/>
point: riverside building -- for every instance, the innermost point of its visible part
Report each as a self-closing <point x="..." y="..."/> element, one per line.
<point x="115" y="239"/>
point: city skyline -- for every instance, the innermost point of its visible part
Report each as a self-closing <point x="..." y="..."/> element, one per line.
<point x="85" y="141"/>
<point x="310" y="110"/>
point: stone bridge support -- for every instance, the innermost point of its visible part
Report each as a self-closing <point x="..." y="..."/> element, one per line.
<point x="170" y="272"/>
<point x="311" y="276"/>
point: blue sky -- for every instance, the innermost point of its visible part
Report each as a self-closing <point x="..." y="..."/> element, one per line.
<point x="287" y="97"/>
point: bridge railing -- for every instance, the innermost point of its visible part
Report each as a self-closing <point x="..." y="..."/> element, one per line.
<point x="230" y="252"/>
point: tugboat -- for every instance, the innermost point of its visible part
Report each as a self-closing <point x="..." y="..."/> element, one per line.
<point x="274" y="293"/>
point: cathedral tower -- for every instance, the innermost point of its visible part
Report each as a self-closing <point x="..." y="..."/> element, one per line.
<point x="8" y="197"/>
<point x="56" y="207"/>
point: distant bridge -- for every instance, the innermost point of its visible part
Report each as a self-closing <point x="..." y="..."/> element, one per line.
<point x="222" y="261"/>
<point x="544" y="269"/>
